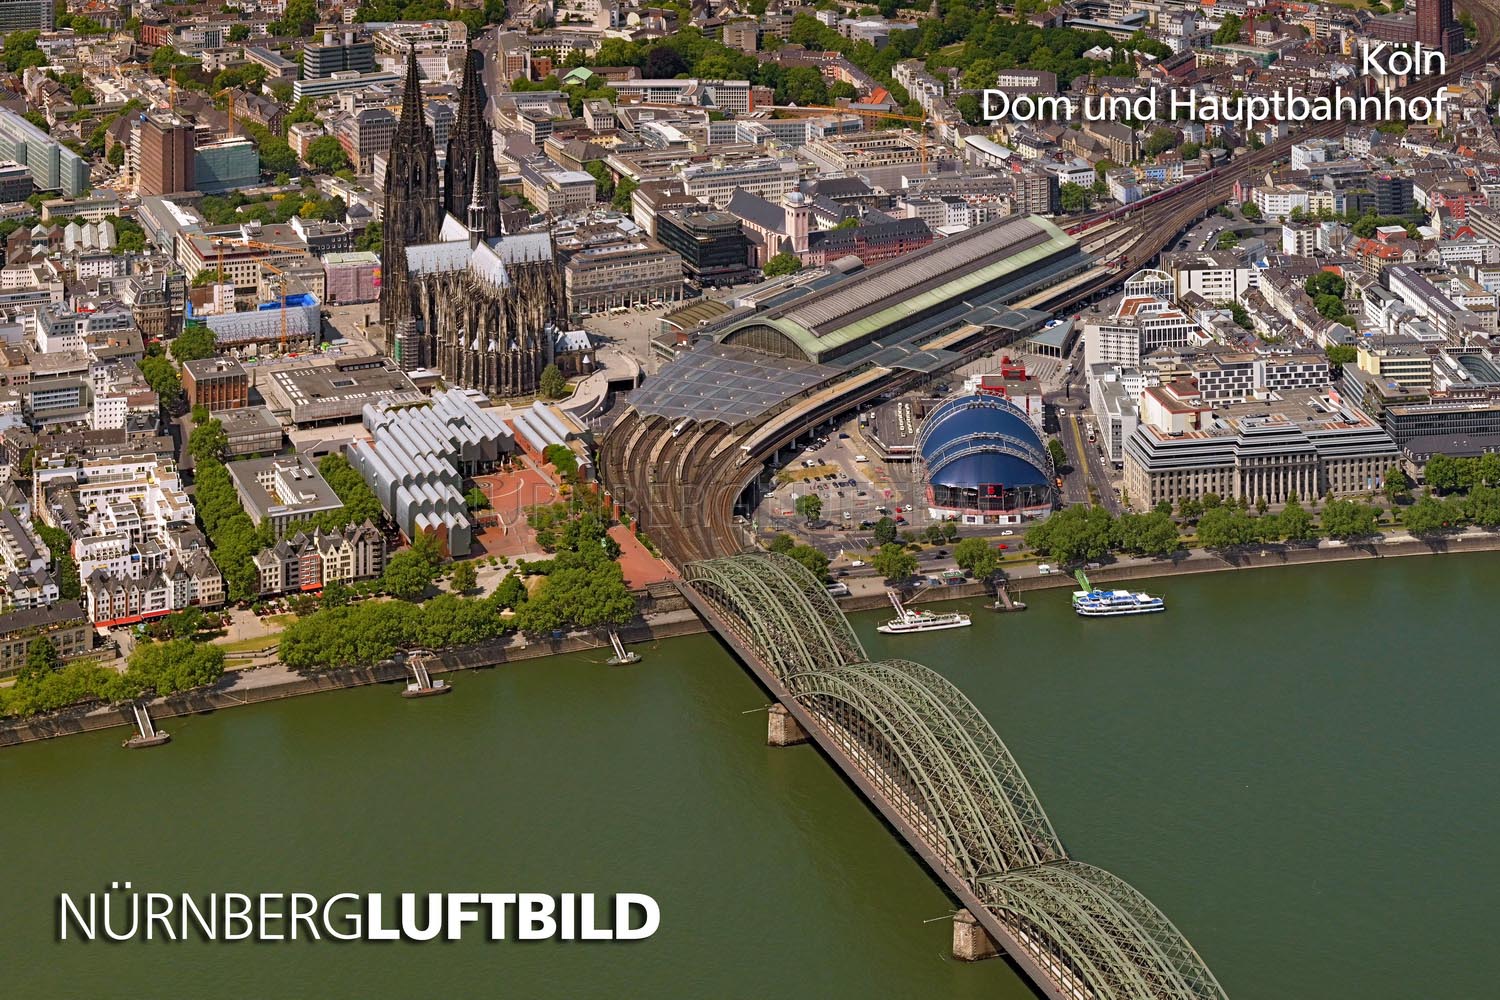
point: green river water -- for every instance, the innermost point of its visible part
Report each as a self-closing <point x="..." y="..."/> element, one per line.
<point x="1296" y="765"/>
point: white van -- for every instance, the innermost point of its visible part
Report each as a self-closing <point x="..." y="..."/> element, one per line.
<point x="1044" y="569"/>
<point x="860" y="458"/>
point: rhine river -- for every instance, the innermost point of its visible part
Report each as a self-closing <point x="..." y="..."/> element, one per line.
<point x="1296" y="765"/>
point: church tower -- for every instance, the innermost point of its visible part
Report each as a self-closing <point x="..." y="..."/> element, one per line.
<point x="411" y="199"/>
<point x="471" y="152"/>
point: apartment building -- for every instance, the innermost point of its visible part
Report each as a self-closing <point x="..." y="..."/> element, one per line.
<point x="303" y="562"/>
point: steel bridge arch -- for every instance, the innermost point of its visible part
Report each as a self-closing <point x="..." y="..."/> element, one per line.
<point x="779" y="607"/>
<point x="939" y="764"/>
<point x="944" y="766"/>
<point x="1102" y="938"/>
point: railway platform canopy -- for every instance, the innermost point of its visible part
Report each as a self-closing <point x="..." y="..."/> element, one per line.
<point x="968" y="278"/>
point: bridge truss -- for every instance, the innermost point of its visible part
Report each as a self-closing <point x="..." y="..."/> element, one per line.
<point x="940" y="765"/>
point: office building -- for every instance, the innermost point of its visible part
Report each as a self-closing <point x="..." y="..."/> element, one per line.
<point x="712" y="246"/>
<point x="341" y="82"/>
<point x="250" y="430"/>
<point x="1393" y="195"/>
<point x="167" y="164"/>
<point x="27" y="15"/>
<point x="53" y="166"/>
<point x="217" y="383"/>
<point x="15" y="183"/>
<point x="1139" y="325"/>
<point x="1262" y="449"/>
<point x="337" y="54"/>
<point x="1437" y="29"/>
<point x="226" y="165"/>
<point x="352" y="277"/>
<point x="365" y="134"/>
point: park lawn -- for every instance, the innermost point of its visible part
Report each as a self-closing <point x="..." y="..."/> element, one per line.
<point x="251" y="645"/>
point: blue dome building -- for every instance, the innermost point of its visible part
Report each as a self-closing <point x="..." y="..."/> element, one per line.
<point x="984" y="456"/>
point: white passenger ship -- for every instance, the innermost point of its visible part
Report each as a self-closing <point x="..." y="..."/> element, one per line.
<point x="1110" y="603"/>
<point x="907" y="620"/>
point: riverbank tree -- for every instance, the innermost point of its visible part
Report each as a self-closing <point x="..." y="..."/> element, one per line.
<point x="162" y="668"/>
<point x="977" y="557"/>
<point x="815" y="560"/>
<point x="583" y="589"/>
<point x="893" y="562"/>
<point x="1448" y="474"/>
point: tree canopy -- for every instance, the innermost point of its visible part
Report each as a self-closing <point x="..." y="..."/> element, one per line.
<point x="45" y="683"/>
<point x="193" y="343"/>
<point x="977" y="557"/>
<point x="326" y="155"/>
<point x="783" y="264"/>
<point x="893" y="562"/>
<point x="809" y="506"/>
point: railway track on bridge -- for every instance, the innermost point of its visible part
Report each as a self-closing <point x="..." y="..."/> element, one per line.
<point x="909" y="741"/>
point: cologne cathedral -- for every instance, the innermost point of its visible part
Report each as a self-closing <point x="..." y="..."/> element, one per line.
<point x="457" y="295"/>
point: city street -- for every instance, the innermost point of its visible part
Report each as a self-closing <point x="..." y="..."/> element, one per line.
<point x="1089" y="478"/>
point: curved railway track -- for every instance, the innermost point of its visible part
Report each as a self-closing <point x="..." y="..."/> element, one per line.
<point x="681" y="482"/>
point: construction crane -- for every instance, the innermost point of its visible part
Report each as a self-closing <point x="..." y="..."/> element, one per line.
<point x="229" y="130"/>
<point x="221" y="242"/>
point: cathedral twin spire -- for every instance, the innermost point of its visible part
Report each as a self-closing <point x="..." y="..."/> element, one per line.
<point x="414" y="205"/>
<point x="471" y="152"/>
<point x="411" y="210"/>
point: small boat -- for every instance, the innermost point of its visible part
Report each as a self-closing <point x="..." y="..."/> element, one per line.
<point x="907" y="620"/>
<point x="1112" y="603"/>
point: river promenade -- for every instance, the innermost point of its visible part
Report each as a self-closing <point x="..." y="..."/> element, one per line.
<point x="260" y="682"/>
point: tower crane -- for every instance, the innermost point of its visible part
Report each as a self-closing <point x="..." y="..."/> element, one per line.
<point x="220" y="243"/>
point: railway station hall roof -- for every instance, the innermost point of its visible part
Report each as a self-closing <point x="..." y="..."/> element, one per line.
<point x="962" y="273"/>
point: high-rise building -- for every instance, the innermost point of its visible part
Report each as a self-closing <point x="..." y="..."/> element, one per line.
<point x="336" y="54"/>
<point x="167" y="144"/>
<point x="27" y="15"/>
<point x="1436" y="28"/>
<point x="412" y="208"/>
<point x="53" y="166"/>
<point x="1393" y="194"/>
